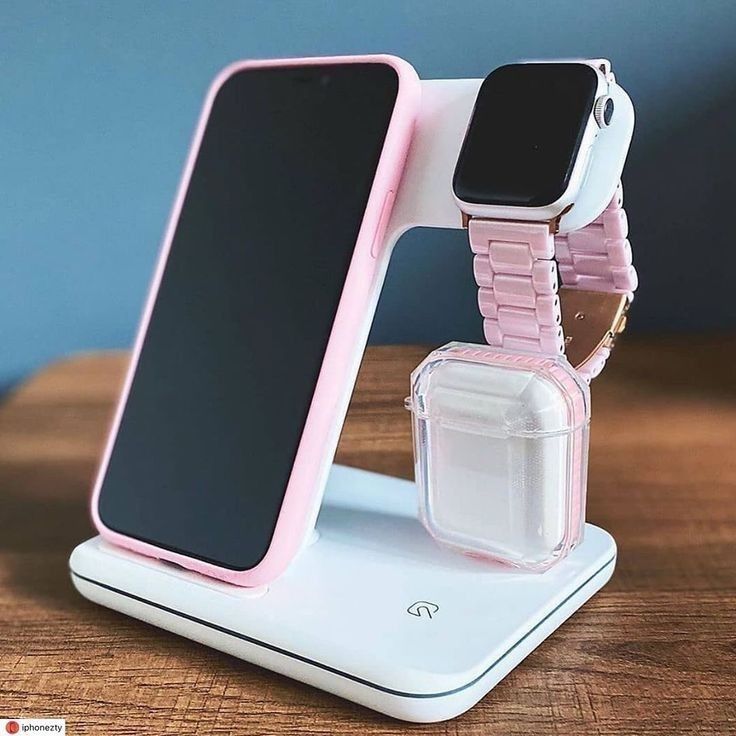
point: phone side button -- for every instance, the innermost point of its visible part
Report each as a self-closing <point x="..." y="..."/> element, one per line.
<point x="377" y="245"/>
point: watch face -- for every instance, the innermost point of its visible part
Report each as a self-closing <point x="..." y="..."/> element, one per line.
<point x="525" y="133"/>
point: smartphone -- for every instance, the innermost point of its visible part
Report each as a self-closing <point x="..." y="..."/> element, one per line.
<point x="258" y="315"/>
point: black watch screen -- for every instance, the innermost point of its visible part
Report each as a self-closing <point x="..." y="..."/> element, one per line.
<point x="525" y="133"/>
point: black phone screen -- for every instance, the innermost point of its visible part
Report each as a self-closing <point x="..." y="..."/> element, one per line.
<point x="244" y="309"/>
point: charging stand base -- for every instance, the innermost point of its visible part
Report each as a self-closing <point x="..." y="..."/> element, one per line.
<point x="374" y="610"/>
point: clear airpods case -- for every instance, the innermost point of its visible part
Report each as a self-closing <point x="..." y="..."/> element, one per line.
<point x="501" y="449"/>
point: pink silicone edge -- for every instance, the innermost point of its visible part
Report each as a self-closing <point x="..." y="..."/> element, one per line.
<point x="306" y="482"/>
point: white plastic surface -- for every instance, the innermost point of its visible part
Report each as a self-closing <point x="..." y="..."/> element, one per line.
<point x="374" y="611"/>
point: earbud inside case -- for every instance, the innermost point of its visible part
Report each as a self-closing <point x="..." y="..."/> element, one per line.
<point x="501" y="450"/>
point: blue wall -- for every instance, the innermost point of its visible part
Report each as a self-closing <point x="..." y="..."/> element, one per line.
<point x="99" y="99"/>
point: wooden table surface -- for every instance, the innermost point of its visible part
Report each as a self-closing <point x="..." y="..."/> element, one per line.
<point x="653" y="653"/>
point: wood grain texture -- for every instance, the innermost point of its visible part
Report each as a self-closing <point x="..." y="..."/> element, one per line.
<point x="653" y="653"/>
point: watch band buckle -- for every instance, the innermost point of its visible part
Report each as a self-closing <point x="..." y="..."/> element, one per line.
<point x="591" y="320"/>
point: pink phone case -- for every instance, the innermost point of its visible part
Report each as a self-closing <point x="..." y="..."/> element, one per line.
<point x="314" y="454"/>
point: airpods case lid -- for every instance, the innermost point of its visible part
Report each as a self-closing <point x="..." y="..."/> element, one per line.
<point x="499" y="393"/>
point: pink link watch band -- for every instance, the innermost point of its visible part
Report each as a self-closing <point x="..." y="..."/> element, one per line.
<point x="516" y="270"/>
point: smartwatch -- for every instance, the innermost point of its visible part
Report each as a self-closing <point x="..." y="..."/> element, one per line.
<point x="537" y="182"/>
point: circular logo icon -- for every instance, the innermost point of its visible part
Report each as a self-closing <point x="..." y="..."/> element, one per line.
<point x="12" y="726"/>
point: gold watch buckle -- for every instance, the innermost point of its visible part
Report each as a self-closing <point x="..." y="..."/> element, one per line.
<point x="591" y="320"/>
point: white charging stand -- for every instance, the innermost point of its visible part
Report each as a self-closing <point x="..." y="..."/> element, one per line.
<point x="374" y="610"/>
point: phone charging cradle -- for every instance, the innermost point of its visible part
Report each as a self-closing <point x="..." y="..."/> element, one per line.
<point x="373" y="609"/>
